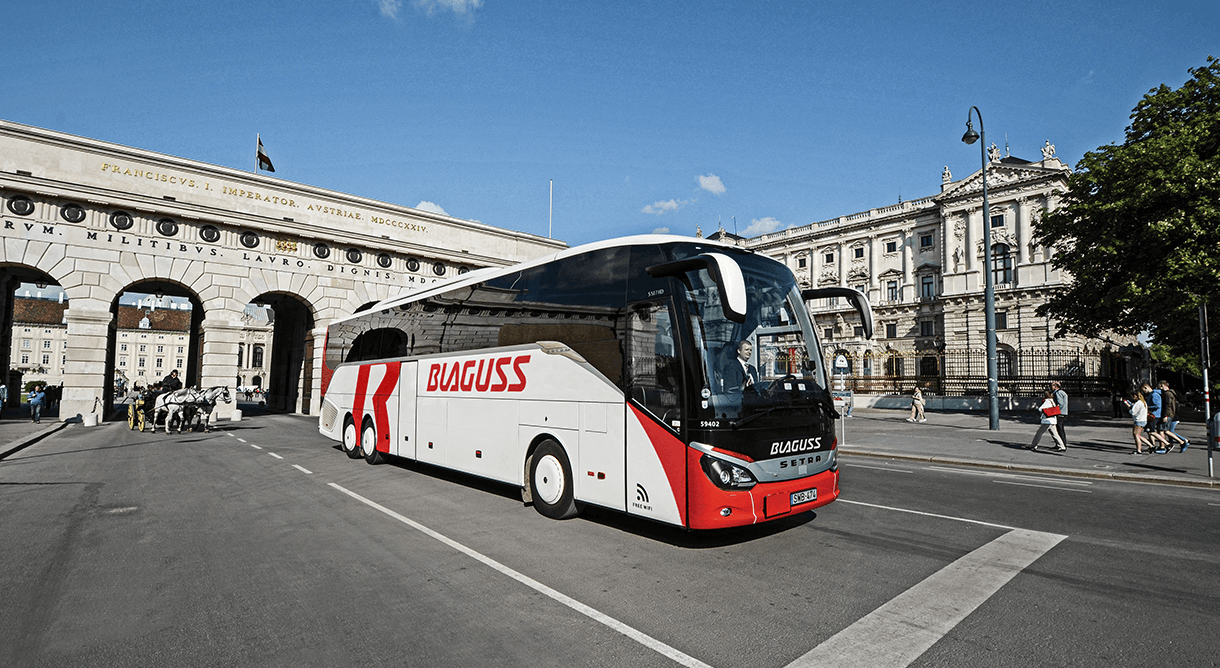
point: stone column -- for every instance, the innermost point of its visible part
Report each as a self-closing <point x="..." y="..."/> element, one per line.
<point x="839" y="249"/>
<point x="1023" y="230"/>
<point x="85" y="376"/>
<point x="319" y="352"/>
<point x="221" y="338"/>
<point x="872" y="262"/>
<point x="908" y="263"/>
<point x="973" y="227"/>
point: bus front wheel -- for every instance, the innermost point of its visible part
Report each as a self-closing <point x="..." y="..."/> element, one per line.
<point x="350" y="441"/>
<point x="551" y="482"/>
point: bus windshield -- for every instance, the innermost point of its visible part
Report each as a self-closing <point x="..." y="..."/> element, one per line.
<point x="768" y="361"/>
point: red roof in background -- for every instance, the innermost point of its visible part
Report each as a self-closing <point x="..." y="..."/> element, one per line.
<point x="28" y="311"/>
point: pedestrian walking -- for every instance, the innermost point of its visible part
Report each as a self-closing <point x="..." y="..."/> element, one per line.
<point x="1061" y="400"/>
<point x="1049" y="412"/>
<point x="37" y="399"/>
<point x="1152" y="431"/>
<point x="1169" y="417"/>
<point x="917" y="406"/>
<point x="1139" y="419"/>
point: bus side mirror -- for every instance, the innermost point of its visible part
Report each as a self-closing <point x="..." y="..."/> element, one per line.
<point x="854" y="296"/>
<point x="724" y="270"/>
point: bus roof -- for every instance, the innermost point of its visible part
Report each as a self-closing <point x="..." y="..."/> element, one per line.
<point x="480" y="275"/>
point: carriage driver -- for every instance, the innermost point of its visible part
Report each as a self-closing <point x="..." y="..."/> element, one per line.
<point x="171" y="383"/>
<point x="150" y="402"/>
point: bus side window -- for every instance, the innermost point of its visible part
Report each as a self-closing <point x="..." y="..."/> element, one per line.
<point x="653" y="368"/>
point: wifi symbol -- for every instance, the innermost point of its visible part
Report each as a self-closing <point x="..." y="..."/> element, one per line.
<point x="641" y="494"/>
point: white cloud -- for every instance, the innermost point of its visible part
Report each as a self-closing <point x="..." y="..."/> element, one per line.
<point x="661" y="230"/>
<point x="762" y="226"/>
<point x="459" y="7"/>
<point x="389" y="8"/>
<point x="711" y="183"/>
<point x="662" y="208"/>
<point x="430" y="206"/>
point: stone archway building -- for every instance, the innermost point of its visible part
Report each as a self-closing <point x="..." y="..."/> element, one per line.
<point x="100" y="219"/>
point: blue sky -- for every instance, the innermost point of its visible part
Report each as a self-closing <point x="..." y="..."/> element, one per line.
<point x="657" y="115"/>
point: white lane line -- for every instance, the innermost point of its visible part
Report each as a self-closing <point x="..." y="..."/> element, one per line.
<point x="1017" y="476"/>
<point x="302" y="469"/>
<point x="638" y="636"/>
<point x="877" y="468"/>
<point x="1214" y="504"/>
<point x="242" y="440"/>
<point x="256" y="447"/>
<point x="899" y="632"/>
<point x="1030" y="484"/>
<point x="920" y="512"/>
<point x="230" y="434"/>
<point x="273" y="454"/>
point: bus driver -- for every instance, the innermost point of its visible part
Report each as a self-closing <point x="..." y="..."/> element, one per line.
<point x="739" y="374"/>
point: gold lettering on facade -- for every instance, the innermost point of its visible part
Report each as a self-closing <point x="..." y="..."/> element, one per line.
<point x="149" y="175"/>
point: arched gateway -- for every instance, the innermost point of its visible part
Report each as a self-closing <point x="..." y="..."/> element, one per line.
<point x="101" y="219"/>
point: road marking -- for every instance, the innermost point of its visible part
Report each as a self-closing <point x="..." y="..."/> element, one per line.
<point x="239" y="439"/>
<point x="256" y="447"/>
<point x="899" y="632"/>
<point x="1018" y="476"/>
<point x="273" y="454"/>
<point x="877" y="468"/>
<point x="302" y="469"/>
<point x="230" y="434"/>
<point x="1214" y="504"/>
<point x="920" y="512"/>
<point x="638" y="636"/>
<point x="1030" y="484"/>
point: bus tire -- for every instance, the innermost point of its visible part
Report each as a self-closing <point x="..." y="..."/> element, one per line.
<point x="551" y="482"/>
<point x="368" y="444"/>
<point x="350" y="439"/>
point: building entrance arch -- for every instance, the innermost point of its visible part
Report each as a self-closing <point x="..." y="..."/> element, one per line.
<point x="155" y="329"/>
<point x="277" y="350"/>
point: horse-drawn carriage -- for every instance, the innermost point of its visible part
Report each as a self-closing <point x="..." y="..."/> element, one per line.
<point x="187" y="406"/>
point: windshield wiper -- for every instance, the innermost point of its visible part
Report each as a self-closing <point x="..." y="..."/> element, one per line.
<point x="750" y="418"/>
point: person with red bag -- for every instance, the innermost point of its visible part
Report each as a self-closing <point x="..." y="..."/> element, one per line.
<point x="1049" y="412"/>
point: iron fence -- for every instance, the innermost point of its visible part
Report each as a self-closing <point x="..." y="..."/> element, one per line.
<point x="1022" y="373"/>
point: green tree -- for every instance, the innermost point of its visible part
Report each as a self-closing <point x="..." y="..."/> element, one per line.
<point x="1139" y="226"/>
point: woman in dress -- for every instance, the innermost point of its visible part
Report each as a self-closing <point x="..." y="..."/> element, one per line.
<point x="917" y="406"/>
<point x="1048" y="423"/>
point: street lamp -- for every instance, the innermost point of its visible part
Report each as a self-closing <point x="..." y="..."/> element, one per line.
<point x="993" y="400"/>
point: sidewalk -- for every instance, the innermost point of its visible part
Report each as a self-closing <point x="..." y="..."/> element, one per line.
<point x="17" y="431"/>
<point x="1099" y="446"/>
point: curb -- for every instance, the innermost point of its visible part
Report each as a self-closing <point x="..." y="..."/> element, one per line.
<point x="1026" y="468"/>
<point x="22" y="443"/>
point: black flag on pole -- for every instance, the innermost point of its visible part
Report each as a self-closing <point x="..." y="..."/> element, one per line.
<point x="264" y="163"/>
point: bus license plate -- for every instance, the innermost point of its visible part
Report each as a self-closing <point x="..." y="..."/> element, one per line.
<point x="804" y="496"/>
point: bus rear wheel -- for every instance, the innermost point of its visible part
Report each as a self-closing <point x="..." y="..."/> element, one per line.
<point x="350" y="440"/>
<point x="368" y="445"/>
<point x="551" y="482"/>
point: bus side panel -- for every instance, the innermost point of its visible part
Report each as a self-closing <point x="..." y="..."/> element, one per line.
<point x="377" y="398"/>
<point x="339" y="395"/>
<point x="599" y="466"/>
<point x="432" y="429"/>
<point x="656" y="470"/>
<point x="404" y="445"/>
<point x="482" y="435"/>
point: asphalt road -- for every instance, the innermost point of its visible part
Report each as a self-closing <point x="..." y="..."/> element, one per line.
<point x="260" y="544"/>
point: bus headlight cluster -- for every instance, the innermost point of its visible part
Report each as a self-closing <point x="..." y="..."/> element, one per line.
<point x="726" y="475"/>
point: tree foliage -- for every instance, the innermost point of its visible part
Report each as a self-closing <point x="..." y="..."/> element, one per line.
<point x="1139" y="226"/>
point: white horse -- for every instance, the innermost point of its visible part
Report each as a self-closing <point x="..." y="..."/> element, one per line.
<point x="185" y="404"/>
<point x="206" y="402"/>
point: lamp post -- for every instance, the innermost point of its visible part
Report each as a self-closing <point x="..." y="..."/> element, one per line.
<point x="993" y="400"/>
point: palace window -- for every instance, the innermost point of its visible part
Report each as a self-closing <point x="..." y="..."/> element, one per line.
<point x="160" y="362"/>
<point x="1001" y="264"/>
<point x="256" y="357"/>
<point x="829" y="258"/>
<point x="891" y="291"/>
<point x="800" y="263"/>
<point x="179" y="364"/>
<point x="925" y="241"/>
<point x="143" y="362"/>
<point x="828" y="333"/>
<point x="891" y="246"/>
<point x="927" y="328"/>
<point x="927" y="287"/>
<point x="26" y="343"/>
<point x="997" y="221"/>
<point x="858" y="252"/>
<point x="46" y="359"/>
<point x="1001" y="319"/>
<point x="891" y="330"/>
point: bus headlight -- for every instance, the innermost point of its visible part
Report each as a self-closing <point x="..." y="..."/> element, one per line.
<point x="726" y="475"/>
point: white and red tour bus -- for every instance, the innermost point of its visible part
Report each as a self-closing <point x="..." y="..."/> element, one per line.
<point x="667" y="377"/>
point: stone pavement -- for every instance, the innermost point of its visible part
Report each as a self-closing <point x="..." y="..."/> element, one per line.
<point x="1099" y="446"/>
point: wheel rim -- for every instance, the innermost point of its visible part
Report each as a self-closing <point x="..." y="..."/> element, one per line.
<point x="548" y="480"/>
<point x="368" y="441"/>
<point x="349" y="438"/>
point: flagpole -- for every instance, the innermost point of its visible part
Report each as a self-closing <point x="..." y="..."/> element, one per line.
<point x="550" y="214"/>
<point x="258" y="141"/>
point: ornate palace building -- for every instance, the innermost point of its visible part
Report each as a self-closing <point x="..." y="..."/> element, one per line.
<point x="921" y="264"/>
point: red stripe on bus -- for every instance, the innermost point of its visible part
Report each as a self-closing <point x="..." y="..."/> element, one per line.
<point x="362" y="390"/>
<point x="670" y="451"/>
<point x="380" y="414"/>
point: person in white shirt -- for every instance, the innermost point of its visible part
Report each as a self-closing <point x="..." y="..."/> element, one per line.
<point x="1048" y="423"/>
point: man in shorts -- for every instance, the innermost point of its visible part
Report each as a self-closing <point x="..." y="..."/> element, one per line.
<point x="1153" y="398"/>
<point x="1169" y="421"/>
